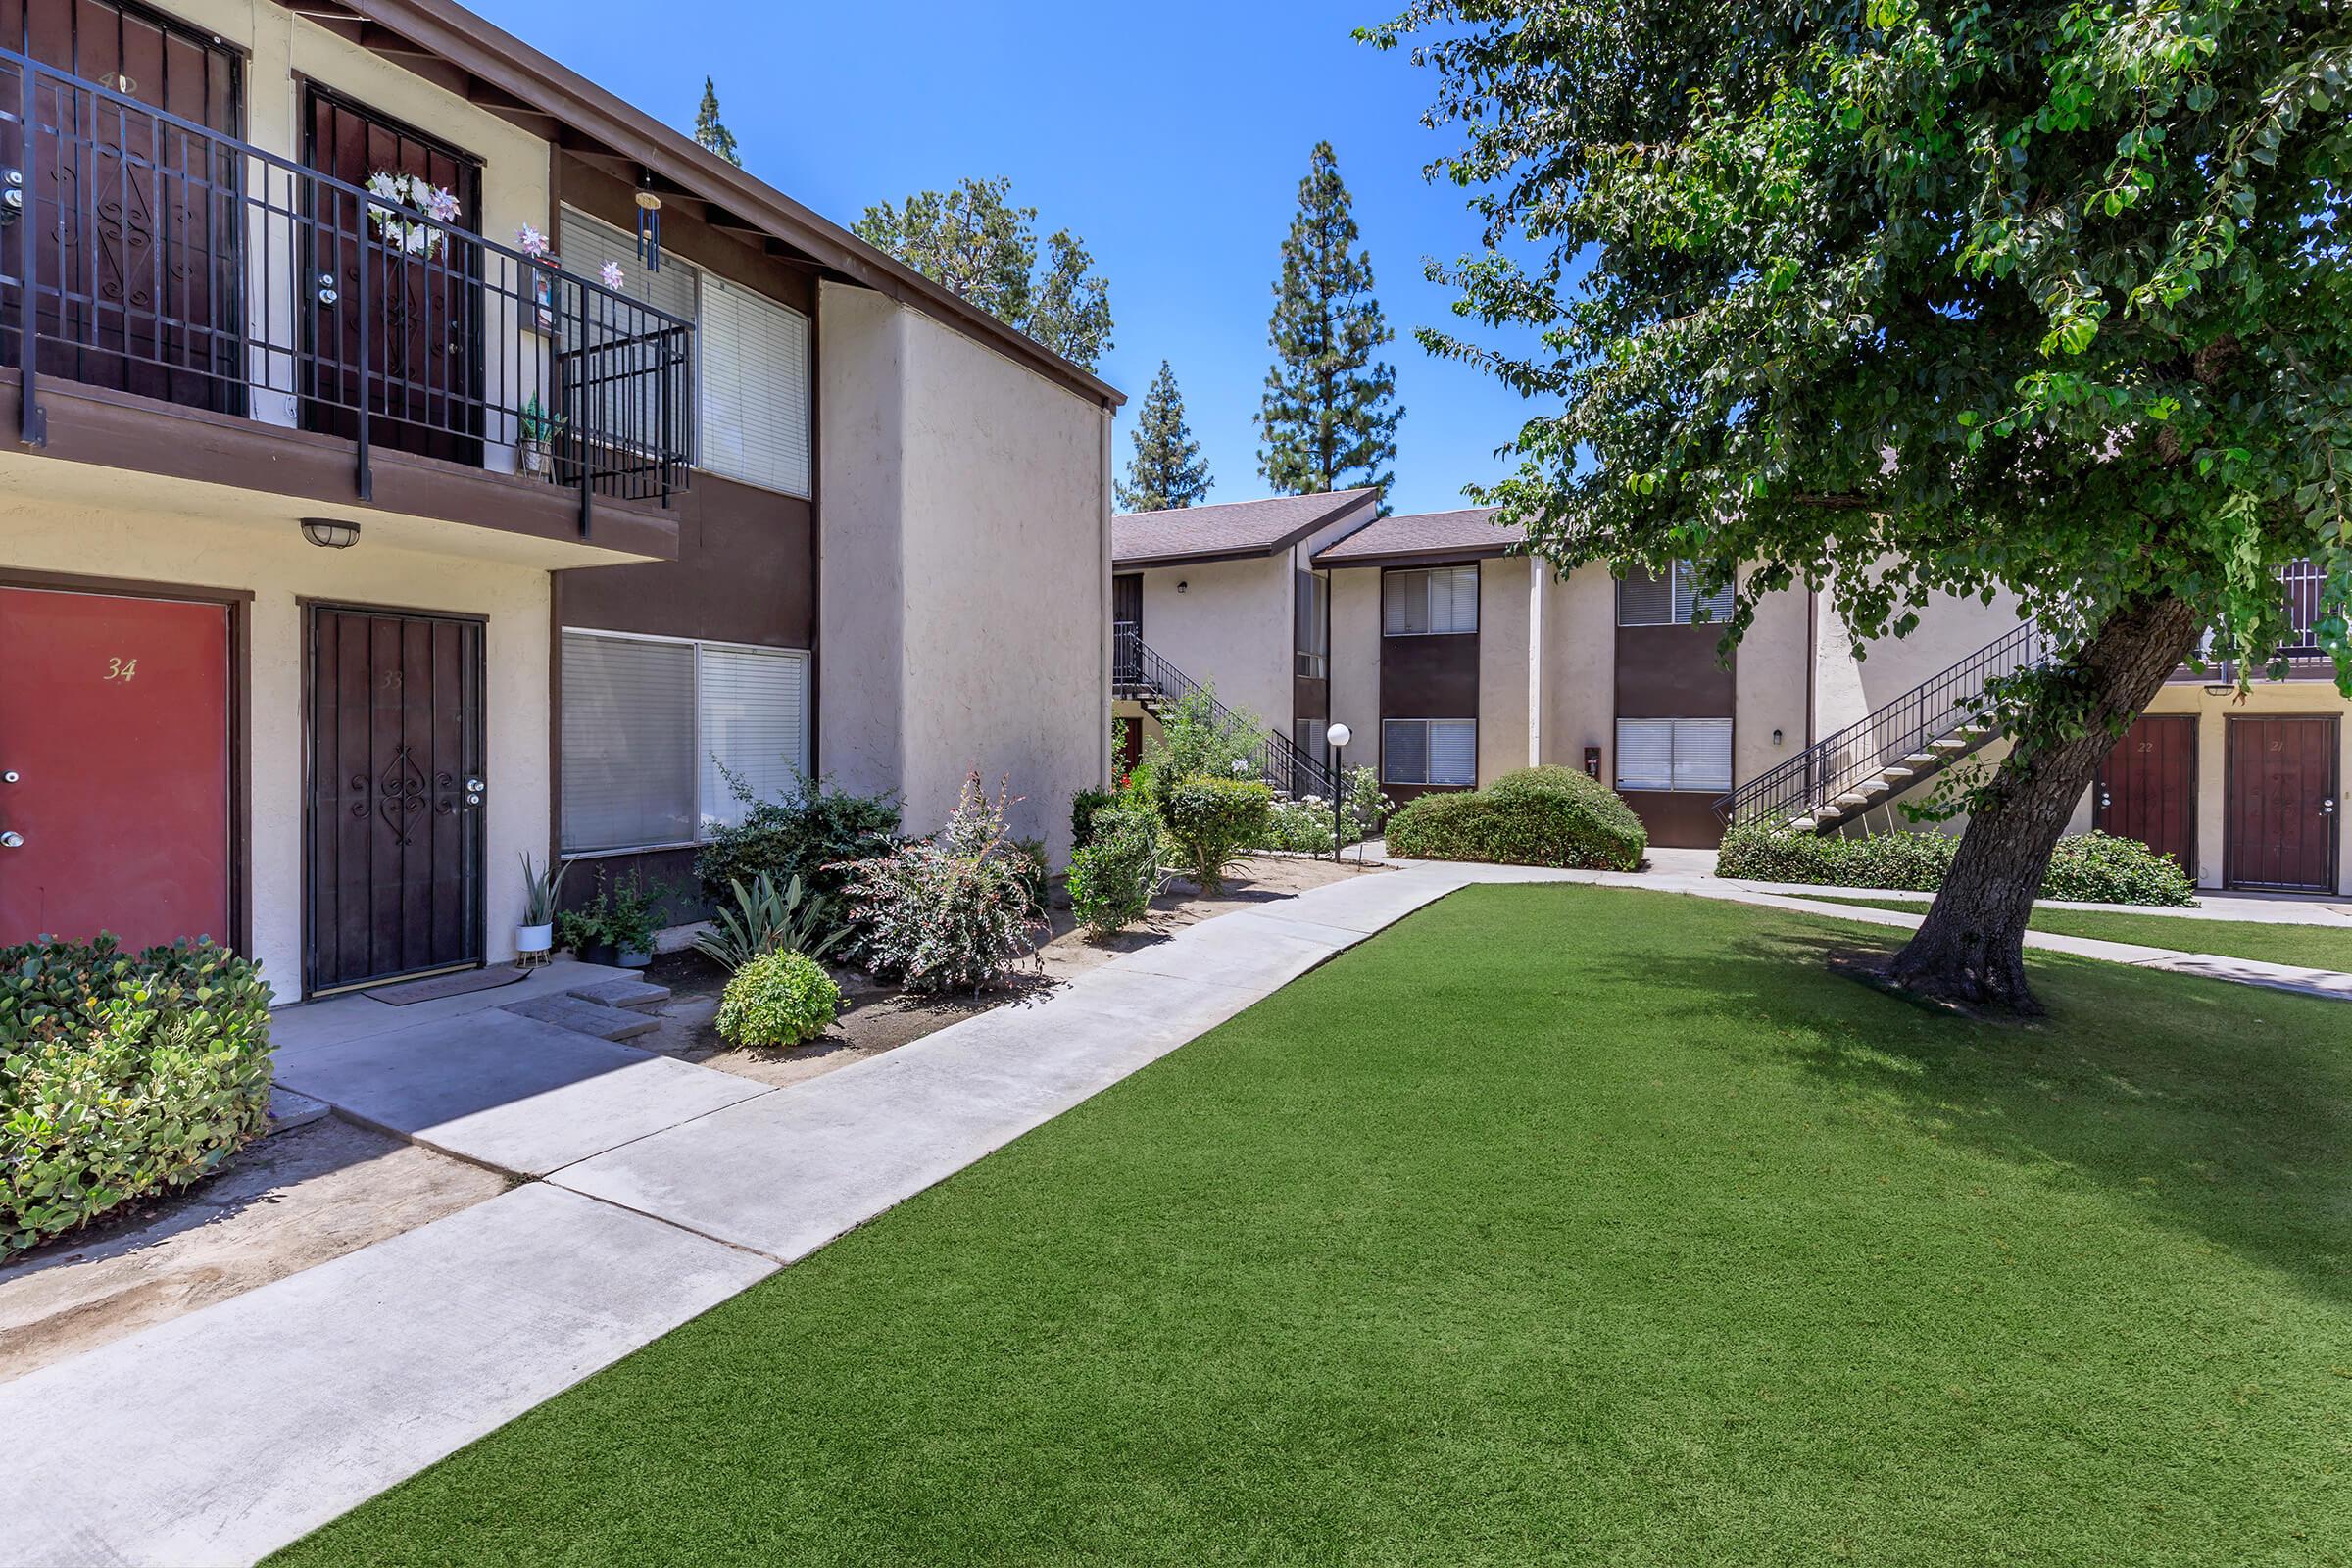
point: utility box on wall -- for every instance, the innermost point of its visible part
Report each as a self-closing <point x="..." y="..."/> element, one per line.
<point x="1592" y="761"/>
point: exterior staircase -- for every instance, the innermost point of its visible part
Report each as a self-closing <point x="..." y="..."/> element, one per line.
<point x="1900" y="745"/>
<point x="1141" y="676"/>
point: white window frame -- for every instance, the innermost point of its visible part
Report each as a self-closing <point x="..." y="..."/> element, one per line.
<point x="1682" y="600"/>
<point x="702" y="813"/>
<point x="1386" y="753"/>
<point x="1675" y="731"/>
<point x="1426" y="574"/>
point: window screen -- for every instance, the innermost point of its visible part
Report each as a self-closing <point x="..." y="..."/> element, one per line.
<point x="1437" y="601"/>
<point x="1687" y="600"/>
<point x="1674" y="754"/>
<point x="1428" y="751"/>
<point x="755" y="721"/>
<point x="755" y="389"/>
<point x="1644" y="600"/>
<point x="628" y="743"/>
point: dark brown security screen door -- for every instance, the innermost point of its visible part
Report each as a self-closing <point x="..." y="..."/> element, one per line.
<point x="1127" y="602"/>
<point x="140" y="237"/>
<point x="2283" y="810"/>
<point x="2147" y="789"/>
<point x="395" y="824"/>
<point x="408" y="334"/>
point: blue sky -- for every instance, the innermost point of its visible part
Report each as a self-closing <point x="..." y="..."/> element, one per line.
<point x="1171" y="138"/>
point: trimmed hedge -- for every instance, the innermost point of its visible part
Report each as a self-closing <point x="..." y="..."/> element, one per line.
<point x="778" y="999"/>
<point x="121" y="1076"/>
<point x="2088" y="868"/>
<point x="1212" y="823"/>
<point x="1553" y="817"/>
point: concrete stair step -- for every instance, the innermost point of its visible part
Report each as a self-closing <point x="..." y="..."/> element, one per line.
<point x="1852" y="798"/>
<point x="1806" y="824"/>
<point x="1900" y="772"/>
<point x="1922" y="759"/>
<point x="637" y="993"/>
<point x="584" y="1017"/>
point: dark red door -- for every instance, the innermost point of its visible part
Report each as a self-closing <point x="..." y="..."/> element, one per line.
<point x="2283" y="807"/>
<point x="404" y="330"/>
<point x="115" y="768"/>
<point x="139" y="225"/>
<point x="396" y="795"/>
<point x="2148" y="788"/>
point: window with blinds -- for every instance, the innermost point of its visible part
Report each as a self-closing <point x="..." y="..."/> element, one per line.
<point x="628" y="743"/>
<point x="1671" y="601"/>
<point x="1428" y="751"/>
<point x="755" y="389"/>
<point x="625" y="401"/>
<point x="1674" y="754"/>
<point x="652" y="726"/>
<point x="1311" y="624"/>
<point x="1429" y="601"/>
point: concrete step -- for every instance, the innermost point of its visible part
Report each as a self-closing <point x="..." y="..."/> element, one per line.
<point x="637" y="993"/>
<point x="1806" y="824"/>
<point x="584" y="1017"/>
<point x="1919" y="760"/>
<point x="1900" y="772"/>
<point x="1852" y="798"/>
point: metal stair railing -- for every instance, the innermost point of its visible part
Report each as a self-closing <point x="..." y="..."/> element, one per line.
<point x="1810" y="783"/>
<point x="1139" y="673"/>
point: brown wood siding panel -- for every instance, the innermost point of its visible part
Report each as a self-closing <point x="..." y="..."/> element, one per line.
<point x="1429" y="677"/>
<point x="1672" y="673"/>
<point x="745" y="573"/>
<point x="1310" y="697"/>
<point x="1680" y="819"/>
<point x="669" y="872"/>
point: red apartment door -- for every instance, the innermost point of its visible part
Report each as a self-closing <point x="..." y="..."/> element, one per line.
<point x="2147" y="789"/>
<point x="115" y="768"/>
<point x="2283" y="805"/>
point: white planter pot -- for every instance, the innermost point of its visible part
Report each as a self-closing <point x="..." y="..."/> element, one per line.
<point x="534" y="456"/>
<point x="633" y="958"/>
<point x="534" y="937"/>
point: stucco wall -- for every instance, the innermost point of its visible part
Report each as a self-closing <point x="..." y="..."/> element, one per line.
<point x="965" y="582"/>
<point x="1850" y="688"/>
<point x="1580" y="663"/>
<point x="1769" y="686"/>
<point x="1502" y="634"/>
<point x="1355" y="660"/>
<point x="1229" y="628"/>
<point x="281" y="568"/>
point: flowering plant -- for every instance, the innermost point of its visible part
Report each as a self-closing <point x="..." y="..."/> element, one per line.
<point x="409" y="235"/>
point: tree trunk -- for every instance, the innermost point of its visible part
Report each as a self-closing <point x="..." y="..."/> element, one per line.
<point x="1972" y="947"/>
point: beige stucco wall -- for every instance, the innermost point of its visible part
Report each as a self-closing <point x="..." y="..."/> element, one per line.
<point x="964" y="581"/>
<point x="1768" y="684"/>
<point x="1580" y="668"/>
<point x="39" y="533"/>
<point x="1355" y="660"/>
<point x="1503" y="636"/>
<point x="1228" y="627"/>
<point x="1850" y="688"/>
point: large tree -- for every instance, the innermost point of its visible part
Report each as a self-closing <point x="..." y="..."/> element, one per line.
<point x="1168" y="470"/>
<point x="1329" y="419"/>
<point x="974" y="240"/>
<point x="1905" y="298"/>
<point x="711" y="132"/>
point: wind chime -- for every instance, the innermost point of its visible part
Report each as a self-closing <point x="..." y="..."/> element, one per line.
<point x="649" y="224"/>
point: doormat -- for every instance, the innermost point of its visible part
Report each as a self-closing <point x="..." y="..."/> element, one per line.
<point x="434" y="987"/>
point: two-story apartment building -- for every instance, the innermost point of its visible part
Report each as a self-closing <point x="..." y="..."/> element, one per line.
<point x="1454" y="657"/>
<point x="416" y="457"/>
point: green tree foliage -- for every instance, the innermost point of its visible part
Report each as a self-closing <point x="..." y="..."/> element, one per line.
<point x="1329" y="418"/>
<point x="1168" y="470"/>
<point x="710" y="130"/>
<point x="1904" y="298"/>
<point x="976" y="243"/>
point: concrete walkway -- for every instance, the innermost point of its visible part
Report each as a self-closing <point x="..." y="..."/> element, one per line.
<point x="219" y="1435"/>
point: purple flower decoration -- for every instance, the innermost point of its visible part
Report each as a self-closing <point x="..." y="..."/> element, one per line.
<point x="610" y="274"/>
<point x="442" y="206"/>
<point x="531" y="242"/>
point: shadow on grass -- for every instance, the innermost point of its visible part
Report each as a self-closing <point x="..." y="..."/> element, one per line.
<point x="2222" y="1109"/>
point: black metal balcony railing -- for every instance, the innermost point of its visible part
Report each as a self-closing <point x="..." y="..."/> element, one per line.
<point x="1140" y="673"/>
<point x="168" y="260"/>
<point x="2298" y="657"/>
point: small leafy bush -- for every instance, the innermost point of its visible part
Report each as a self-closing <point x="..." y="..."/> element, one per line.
<point x="1553" y="817"/>
<point x="1363" y="807"/>
<point x="121" y="1076"/>
<point x="1302" y="826"/>
<point x="2090" y="867"/>
<point x="1083" y="807"/>
<point x="816" y="833"/>
<point x="1212" y="822"/>
<point x="950" y="912"/>
<point x="778" y="999"/>
<point x="767" y="919"/>
<point x="1194" y="743"/>
<point x="1113" y="879"/>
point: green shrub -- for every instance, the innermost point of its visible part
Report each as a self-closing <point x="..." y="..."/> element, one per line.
<point x="1113" y="879"/>
<point x="1302" y="826"/>
<point x="1212" y="822"/>
<point x="121" y="1076"/>
<point x="1553" y="817"/>
<point x="950" y="912"/>
<point x="1037" y="875"/>
<point x="765" y="918"/>
<point x="1194" y="743"/>
<point x="2090" y="867"/>
<point x="778" y="999"/>
<point x="1083" y="807"/>
<point x="813" y="834"/>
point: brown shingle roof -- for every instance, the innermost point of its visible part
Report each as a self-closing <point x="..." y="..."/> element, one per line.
<point x="1233" y="528"/>
<point x="1472" y="530"/>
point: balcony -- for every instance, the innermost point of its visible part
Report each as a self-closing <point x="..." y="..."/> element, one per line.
<point x="2301" y="659"/>
<point x="169" y="262"/>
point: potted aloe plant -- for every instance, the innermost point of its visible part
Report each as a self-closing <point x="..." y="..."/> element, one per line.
<point x="539" y="431"/>
<point x="535" y="937"/>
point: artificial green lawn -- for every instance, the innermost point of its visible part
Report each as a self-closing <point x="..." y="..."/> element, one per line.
<point x="2307" y="947"/>
<point x="1558" y="1224"/>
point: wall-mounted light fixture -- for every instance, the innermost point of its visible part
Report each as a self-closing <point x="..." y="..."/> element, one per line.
<point x="1182" y="585"/>
<point x="1776" y="737"/>
<point x="331" y="533"/>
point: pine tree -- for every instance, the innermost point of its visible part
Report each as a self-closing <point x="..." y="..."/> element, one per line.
<point x="710" y="130"/>
<point x="1167" y="471"/>
<point x="983" y="248"/>
<point x="1328" y="419"/>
